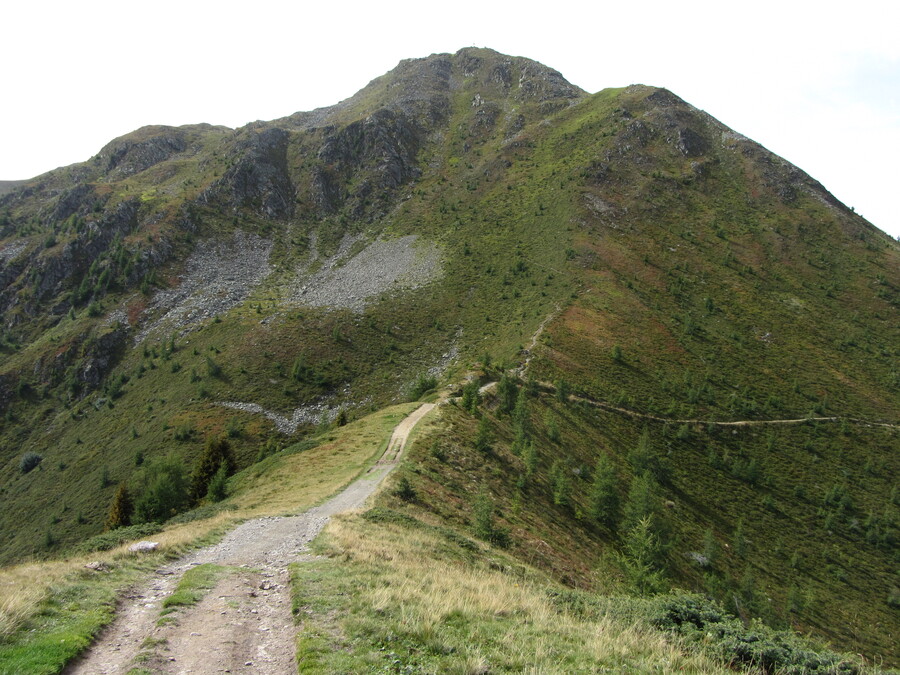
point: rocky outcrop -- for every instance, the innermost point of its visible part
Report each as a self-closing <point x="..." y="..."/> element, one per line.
<point x="51" y="272"/>
<point x="259" y="178"/>
<point x="142" y="149"/>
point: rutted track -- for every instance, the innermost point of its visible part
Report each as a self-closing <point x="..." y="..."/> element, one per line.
<point x="244" y="624"/>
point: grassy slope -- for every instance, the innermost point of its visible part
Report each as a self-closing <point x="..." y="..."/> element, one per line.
<point x="726" y="301"/>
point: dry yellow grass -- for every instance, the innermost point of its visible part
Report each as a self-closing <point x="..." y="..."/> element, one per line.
<point x="419" y="586"/>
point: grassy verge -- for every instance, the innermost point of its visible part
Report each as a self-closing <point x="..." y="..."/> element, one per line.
<point x="407" y="597"/>
<point x="50" y="611"/>
<point x="62" y="612"/>
<point x="193" y="586"/>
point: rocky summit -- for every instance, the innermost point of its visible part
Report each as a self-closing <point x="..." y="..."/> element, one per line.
<point x="668" y="358"/>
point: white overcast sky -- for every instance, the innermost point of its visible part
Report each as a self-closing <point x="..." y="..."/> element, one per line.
<point x="816" y="82"/>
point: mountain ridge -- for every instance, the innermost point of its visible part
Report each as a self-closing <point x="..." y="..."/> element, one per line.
<point x="680" y="271"/>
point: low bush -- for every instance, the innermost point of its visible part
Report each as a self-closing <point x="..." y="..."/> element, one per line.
<point x="697" y="619"/>
<point x="117" y="537"/>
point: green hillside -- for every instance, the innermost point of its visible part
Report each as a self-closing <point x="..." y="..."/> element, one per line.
<point x="270" y="282"/>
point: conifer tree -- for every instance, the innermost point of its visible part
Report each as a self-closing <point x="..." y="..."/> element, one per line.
<point x="216" y="453"/>
<point x="120" y="509"/>
<point x="604" y="496"/>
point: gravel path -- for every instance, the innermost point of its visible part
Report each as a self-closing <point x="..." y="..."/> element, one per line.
<point x="244" y="624"/>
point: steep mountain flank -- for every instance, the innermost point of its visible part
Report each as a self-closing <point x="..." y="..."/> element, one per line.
<point x="260" y="283"/>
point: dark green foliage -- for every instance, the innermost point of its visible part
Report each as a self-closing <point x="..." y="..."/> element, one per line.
<point x="164" y="491"/>
<point x="552" y="428"/>
<point x="484" y="437"/>
<point x="217" y="484"/>
<point x="404" y="490"/>
<point x="506" y="394"/>
<point x="711" y="549"/>
<point x="530" y="458"/>
<point x="483" y="525"/>
<point x="520" y="413"/>
<point x="120" y="509"/>
<point x="642" y="502"/>
<point x="563" y="391"/>
<point x="645" y="458"/>
<point x="471" y="399"/>
<point x="423" y="385"/>
<point x="213" y="369"/>
<point x="641" y="558"/>
<point x="604" y="495"/>
<point x="112" y="538"/>
<point x="560" y="484"/>
<point x="697" y="619"/>
<point x="29" y="461"/>
<point x="739" y="540"/>
<point x="216" y="453"/>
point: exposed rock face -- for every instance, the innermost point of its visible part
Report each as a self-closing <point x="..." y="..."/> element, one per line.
<point x="52" y="271"/>
<point x="259" y="179"/>
<point x="382" y="148"/>
<point x="126" y="156"/>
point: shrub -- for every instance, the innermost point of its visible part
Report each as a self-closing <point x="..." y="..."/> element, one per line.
<point x="216" y="453"/>
<point x="120" y="509"/>
<point x="29" y="461"/>
<point x="404" y="490"/>
<point x="117" y="537"/>
<point x="217" y="488"/>
<point x="165" y="492"/>
<point x="483" y="524"/>
<point x="699" y="620"/>
<point x="423" y="385"/>
<point x="213" y="369"/>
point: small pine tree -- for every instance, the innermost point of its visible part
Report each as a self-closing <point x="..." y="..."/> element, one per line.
<point x="405" y="490"/>
<point x="216" y="453"/>
<point x="483" y="524"/>
<point x="520" y="413"/>
<point x="559" y="479"/>
<point x="642" y="502"/>
<point x="640" y="558"/>
<point x="507" y="394"/>
<point x="562" y="391"/>
<point x="483" y="438"/>
<point x="120" y="509"/>
<point x="529" y="456"/>
<point x="710" y="547"/>
<point x="604" y="495"/>
<point x="217" y="485"/>
<point x="644" y="457"/>
<point x="739" y="540"/>
<point x="471" y="399"/>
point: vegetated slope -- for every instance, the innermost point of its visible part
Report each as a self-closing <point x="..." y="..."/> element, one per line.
<point x="695" y="276"/>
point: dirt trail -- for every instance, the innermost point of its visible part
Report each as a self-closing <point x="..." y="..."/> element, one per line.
<point x="244" y="624"/>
